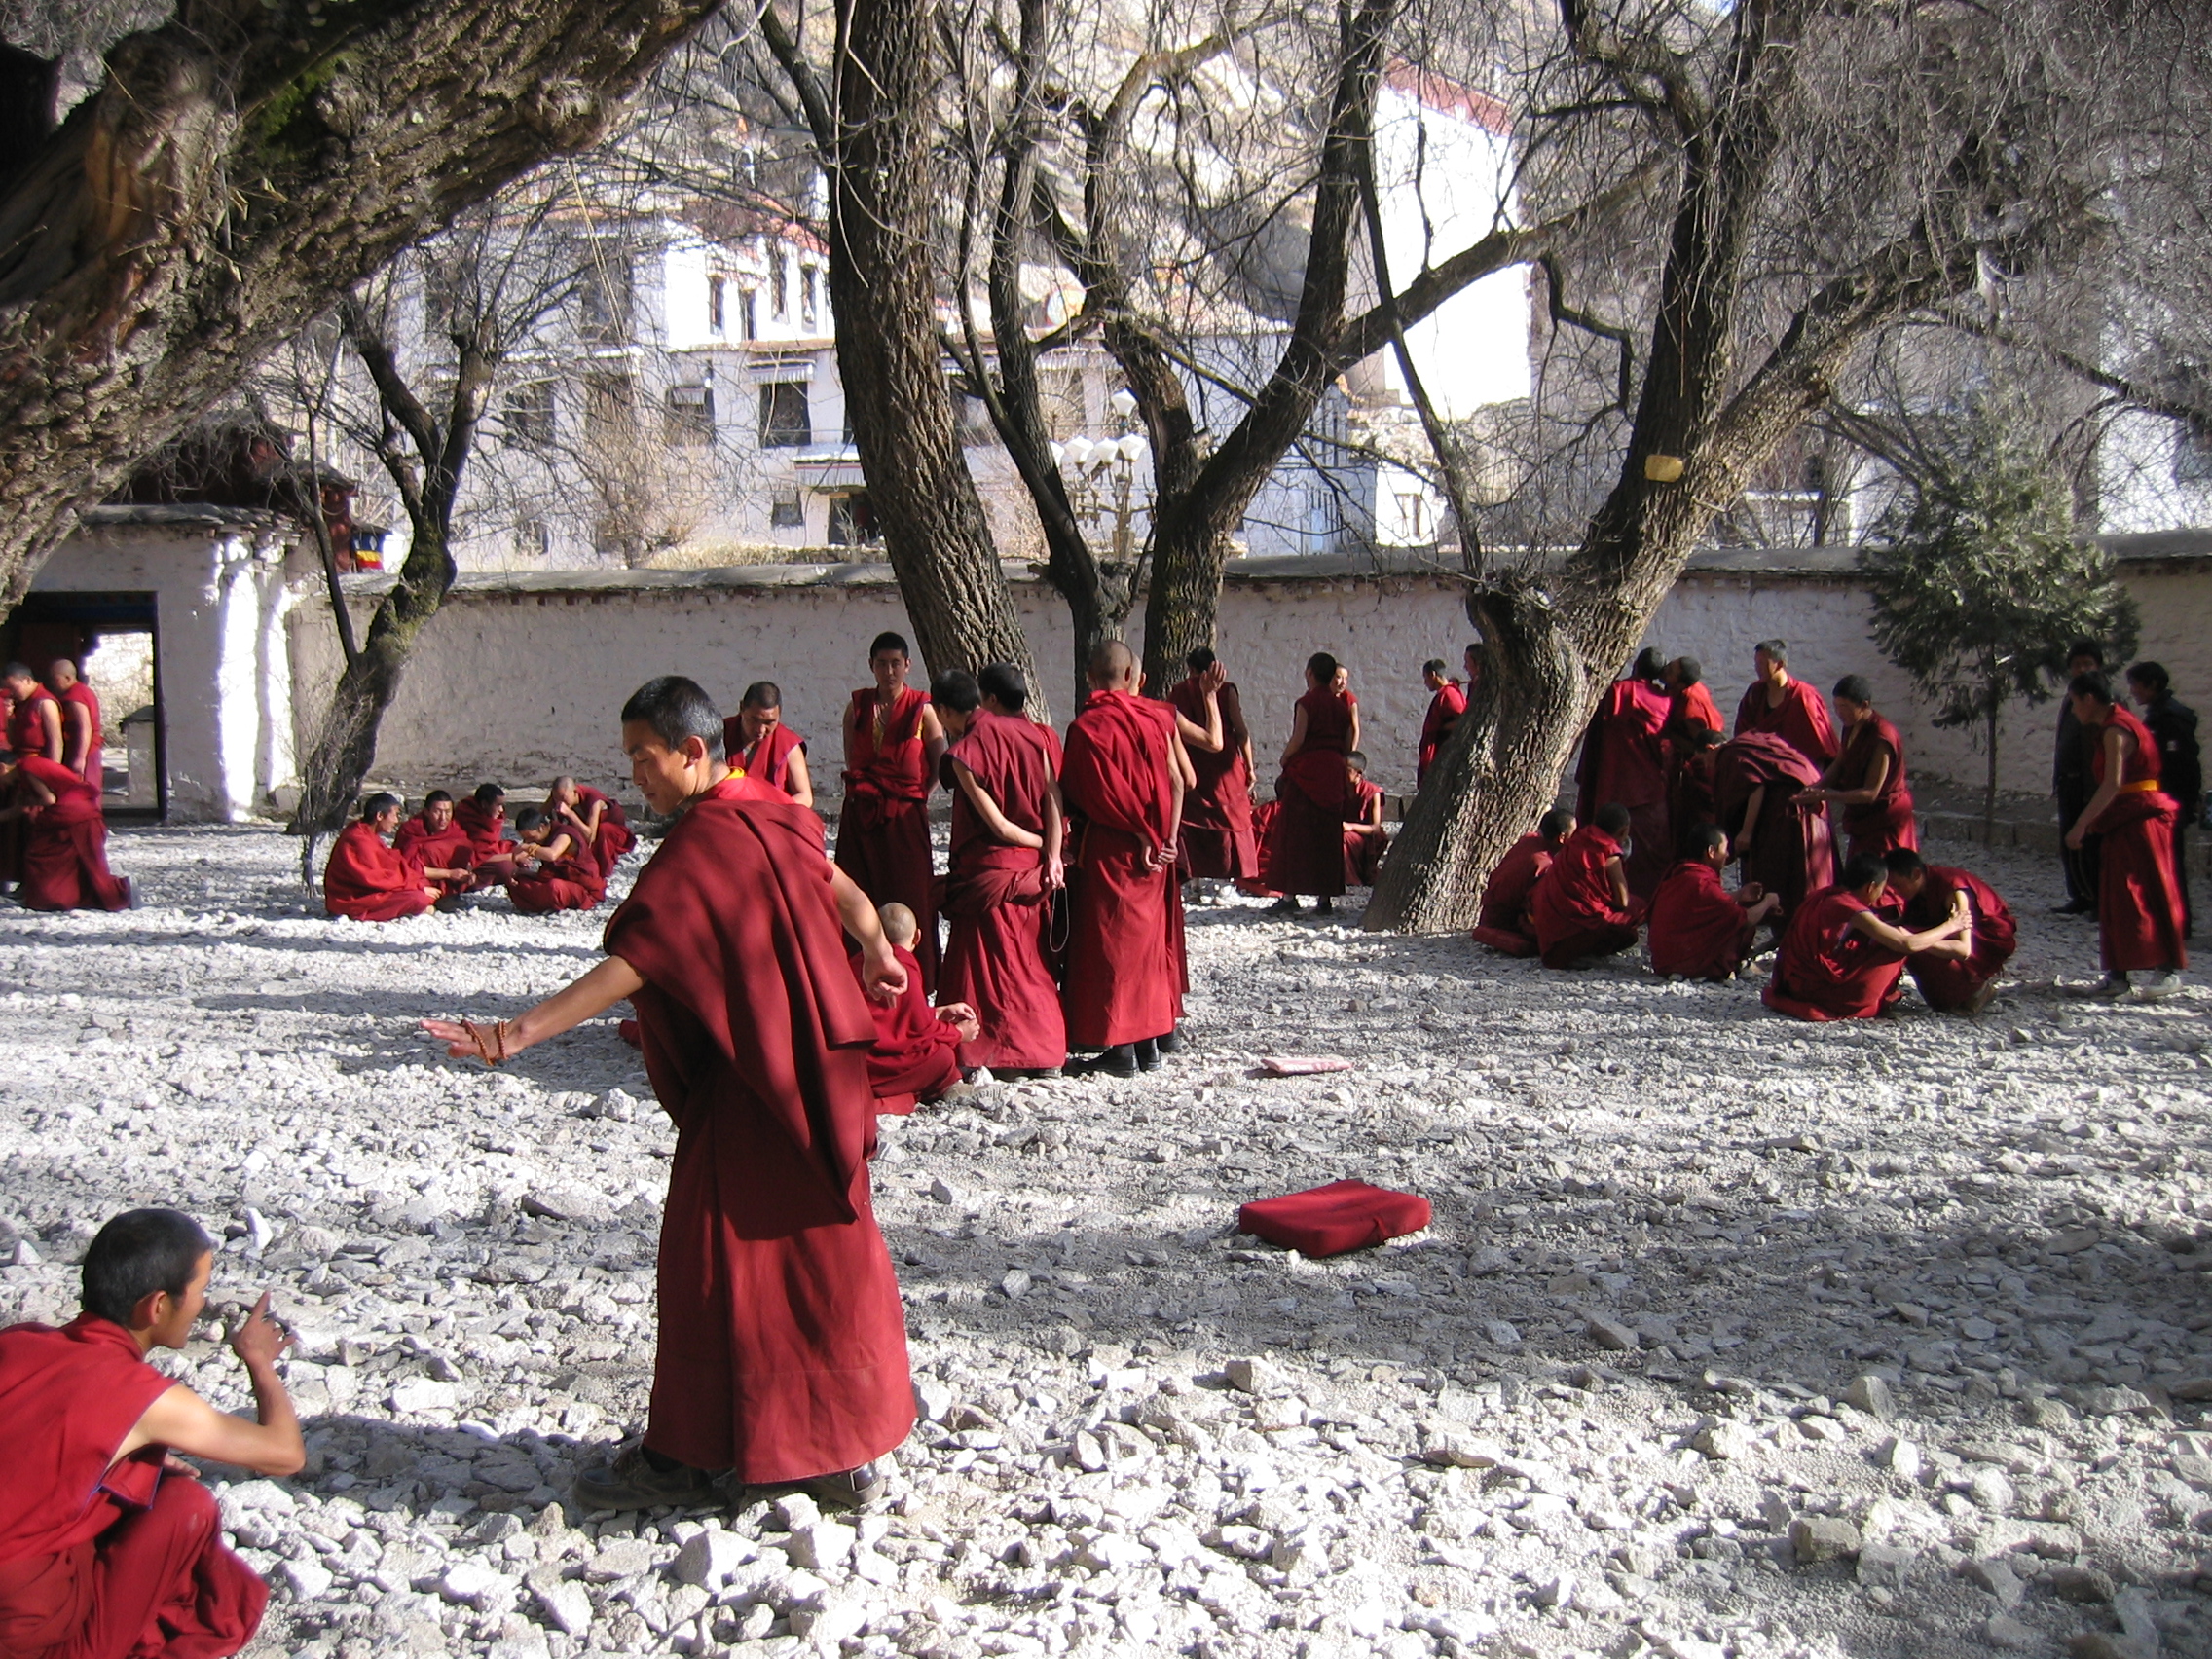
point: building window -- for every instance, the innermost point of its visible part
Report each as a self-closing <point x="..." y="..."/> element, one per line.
<point x="785" y="423"/>
<point x="810" y="301"/>
<point x="611" y="406"/>
<point x="605" y="299"/>
<point x="532" y="539"/>
<point x="529" y="408"/>
<point x="787" y="512"/>
<point x="715" y="286"/>
<point x="689" y="419"/>
<point x="748" y="314"/>
<point x="780" y="290"/>
<point x="2192" y="454"/>
<point x="852" y="521"/>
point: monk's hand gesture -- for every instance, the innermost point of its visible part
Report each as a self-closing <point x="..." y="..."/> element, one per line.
<point x="963" y="1018"/>
<point x="1056" y="873"/>
<point x="881" y="976"/>
<point x="1213" y="680"/>
<point x="260" y="1339"/>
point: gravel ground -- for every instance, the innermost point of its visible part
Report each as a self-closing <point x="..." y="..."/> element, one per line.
<point x="1732" y="1336"/>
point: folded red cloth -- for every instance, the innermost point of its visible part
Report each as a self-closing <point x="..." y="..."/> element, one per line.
<point x="631" y="1032"/>
<point x="1328" y="1221"/>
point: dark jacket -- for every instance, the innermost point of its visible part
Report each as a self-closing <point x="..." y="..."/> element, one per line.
<point x="2073" y="756"/>
<point x="2180" y="769"/>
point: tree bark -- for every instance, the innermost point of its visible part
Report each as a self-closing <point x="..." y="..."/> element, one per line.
<point x="239" y="167"/>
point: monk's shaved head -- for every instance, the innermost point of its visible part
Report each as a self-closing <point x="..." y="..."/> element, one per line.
<point x="1113" y="667"/>
<point x="899" y="924"/>
<point x="1555" y="824"/>
<point x="1613" y="819"/>
<point x="18" y="674"/>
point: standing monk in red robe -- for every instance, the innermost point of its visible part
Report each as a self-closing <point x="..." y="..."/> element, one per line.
<point x="1699" y="929"/>
<point x="1008" y="831"/>
<point x="439" y="845"/>
<point x="1446" y="704"/>
<point x="1867" y="779"/>
<point x="1305" y="851"/>
<point x="915" y="1059"/>
<point x="108" y="1547"/>
<point x="1782" y="846"/>
<point x="893" y="743"/>
<point x="782" y="1346"/>
<point x="554" y="871"/>
<point x="1689" y="702"/>
<point x="2139" y="914"/>
<point x="757" y="739"/>
<point x="83" y="742"/>
<point x="1839" y="958"/>
<point x="1624" y="760"/>
<point x="595" y="818"/>
<point x="34" y="721"/>
<point x="484" y="816"/>
<point x="1582" y="908"/>
<point x="1960" y="973"/>
<point x="1504" y="923"/>
<point x="1365" y="839"/>
<point x="367" y="881"/>
<point x="1218" y="842"/>
<point x="1122" y="777"/>
<point x="1790" y="708"/>
<point x="64" y="842"/>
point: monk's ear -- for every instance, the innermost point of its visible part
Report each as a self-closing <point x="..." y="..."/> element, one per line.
<point x="694" y="751"/>
<point x="151" y="1310"/>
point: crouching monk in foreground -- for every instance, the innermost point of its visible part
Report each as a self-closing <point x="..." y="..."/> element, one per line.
<point x="782" y="1346"/>
<point x="1840" y="959"/>
<point x="108" y="1545"/>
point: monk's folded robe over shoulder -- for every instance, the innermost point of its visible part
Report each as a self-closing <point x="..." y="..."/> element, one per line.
<point x="1504" y="923"/>
<point x="782" y="1345"/>
<point x="65" y="848"/>
<point x="1697" y="928"/>
<point x="883" y="833"/>
<point x="101" y="1559"/>
<point x="1624" y="762"/>
<point x="1124" y="915"/>
<point x="1826" y="969"/>
<point x="1793" y="853"/>
<point x="368" y="881"/>
<point x="916" y="1056"/>
<point x="1951" y="982"/>
<point x="1572" y="907"/>
<point x="1801" y="721"/>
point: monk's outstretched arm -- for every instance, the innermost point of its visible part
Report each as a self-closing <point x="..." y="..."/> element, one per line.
<point x="2117" y="744"/>
<point x="1001" y="827"/>
<point x="1907" y="943"/>
<point x="1868" y="792"/>
<point x="594" y="994"/>
<point x="881" y="976"/>
<point x="183" y="1422"/>
<point x="798" y="783"/>
<point x="1055" y="836"/>
<point x="1753" y="804"/>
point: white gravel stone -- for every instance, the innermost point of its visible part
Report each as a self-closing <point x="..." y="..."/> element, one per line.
<point x="709" y="1558"/>
<point x="307" y="1580"/>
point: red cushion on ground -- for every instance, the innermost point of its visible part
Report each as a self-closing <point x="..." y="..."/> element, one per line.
<point x="1328" y="1221"/>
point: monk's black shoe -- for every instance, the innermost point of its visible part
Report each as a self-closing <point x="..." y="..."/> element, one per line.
<point x="1173" y="1043"/>
<point x="1148" y="1054"/>
<point x="852" y="1489"/>
<point x="629" y="1481"/>
<point x="1120" y="1061"/>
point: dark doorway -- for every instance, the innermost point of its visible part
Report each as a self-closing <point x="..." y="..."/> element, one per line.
<point x="114" y="637"/>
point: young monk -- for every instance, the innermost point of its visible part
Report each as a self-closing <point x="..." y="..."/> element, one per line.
<point x="1122" y="777"/>
<point x="916" y="1056"/>
<point x="596" y="820"/>
<point x="34" y="721"/>
<point x="1009" y="829"/>
<point x="554" y="870"/>
<point x="1624" y="759"/>
<point x="365" y="880"/>
<point x="1219" y="842"/>
<point x="1958" y="975"/>
<point x="757" y="739"/>
<point x="1782" y="846"/>
<point x="83" y="743"/>
<point x="1365" y="839"/>
<point x="484" y="816"/>
<point x="1582" y="908"/>
<point x="1867" y="779"/>
<point x="1689" y="701"/>
<point x="782" y="1345"/>
<point x="1504" y="923"/>
<point x="109" y="1545"/>
<point x="1305" y="851"/>
<point x="1839" y="959"/>
<point x="892" y="744"/>
<point x="440" y="846"/>
<point x="1699" y="929"/>
<point x="64" y="839"/>
<point x="2139" y="917"/>
<point x="1790" y="708"/>
<point x="1446" y="704"/>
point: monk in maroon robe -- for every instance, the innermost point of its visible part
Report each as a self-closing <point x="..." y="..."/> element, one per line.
<point x="1960" y="974"/>
<point x="1122" y="777"/>
<point x="1782" y="846"/>
<point x="892" y="744"/>
<point x="1007" y="866"/>
<point x="108" y="1545"/>
<point x="1625" y="760"/>
<point x="1582" y="908"/>
<point x="491" y="854"/>
<point x="439" y="845"/>
<point x="1693" y="806"/>
<point x="595" y="818"/>
<point x="64" y="839"/>
<point x="1446" y="704"/>
<point x="1365" y="839"/>
<point x="1504" y="922"/>
<point x="1841" y="958"/>
<point x="554" y="871"/>
<point x="35" y="724"/>
<point x="1867" y="778"/>
<point x="768" y="751"/>
<point x="1787" y="707"/>
<point x="782" y="1346"/>
<point x="1305" y="849"/>
<point x="2139" y="910"/>
<point x="1700" y="930"/>
<point x="365" y="879"/>
<point x="915" y="1059"/>
<point x="1689" y="701"/>
<point x="84" y="744"/>
<point x="1219" y="840"/>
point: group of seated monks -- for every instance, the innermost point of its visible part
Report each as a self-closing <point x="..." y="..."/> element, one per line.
<point x="53" y="828"/>
<point x="559" y="858"/>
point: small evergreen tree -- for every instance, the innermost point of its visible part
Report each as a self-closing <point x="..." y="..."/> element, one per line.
<point x="1979" y="581"/>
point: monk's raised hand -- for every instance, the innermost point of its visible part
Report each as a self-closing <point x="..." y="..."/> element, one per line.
<point x="1214" y="679"/>
<point x="459" y="1043"/>
<point x="260" y="1339"/>
<point x="882" y="977"/>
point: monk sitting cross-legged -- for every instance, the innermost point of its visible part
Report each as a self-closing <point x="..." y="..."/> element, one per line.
<point x="365" y="880"/>
<point x="553" y="871"/>
<point x="1699" y="929"/>
<point x="769" y="752"/>
<point x="1839" y="959"/>
<point x="1504" y="923"/>
<point x="484" y="816"/>
<point x="64" y="839"/>
<point x="1364" y="836"/>
<point x="109" y="1545"/>
<point x="595" y="819"/>
<point x="782" y="1345"/>
<point x="441" y="846"/>
<point x="1582" y="907"/>
<point x="893" y="743"/>
<point x="1958" y="974"/>
<point x="916" y="1056"/>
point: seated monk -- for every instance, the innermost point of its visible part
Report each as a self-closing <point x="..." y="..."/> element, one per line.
<point x="109" y="1545"/>
<point x="440" y="846"/>
<point x="756" y="740"/>
<point x="64" y="842"/>
<point x="484" y="815"/>
<point x="916" y="1054"/>
<point x="1699" y="929"/>
<point x="1364" y="834"/>
<point x="1958" y="974"/>
<point x="601" y="827"/>
<point x="1504" y="923"/>
<point x="1582" y="907"/>
<point x="554" y="870"/>
<point x="1839" y="959"/>
<point x="365" y="880"/>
